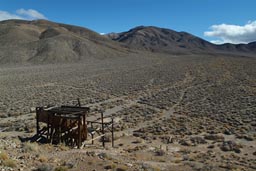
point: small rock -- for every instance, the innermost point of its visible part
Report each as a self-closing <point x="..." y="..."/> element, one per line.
<point x="108" y="167"/>
<point x="32" y="110"/>
<point x="248" y="138"/>
<point x="211" y="146"/>
<point x="102" y="155"/>
<point x="198" y="140"/>
<point x="227" y="132"/>
<point x="218" y="138"/>
<point x="185" y="143"/>
<point x="230" y="146"/>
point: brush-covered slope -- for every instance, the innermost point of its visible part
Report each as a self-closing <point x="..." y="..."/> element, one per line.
<point x="43" y="41"/>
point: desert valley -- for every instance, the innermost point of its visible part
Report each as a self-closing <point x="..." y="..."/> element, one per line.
<point x="178" y="101"/>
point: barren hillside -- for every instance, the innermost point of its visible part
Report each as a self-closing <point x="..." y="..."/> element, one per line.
<point x="43" y="41"/>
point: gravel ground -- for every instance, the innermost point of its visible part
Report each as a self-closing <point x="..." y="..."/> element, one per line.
<point x="203" y="106"/>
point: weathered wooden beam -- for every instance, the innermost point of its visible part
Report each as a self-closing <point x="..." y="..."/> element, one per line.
<point x="78" y="102"/>
<point x="103" y="132"/>
<point x="37" y="120"/>
<point x="92" y="133"/>
<point x="112" y="131"/>
<point x="85" y="126"/>
<point x="79" y="133"/>
<point x="91" y="140"/>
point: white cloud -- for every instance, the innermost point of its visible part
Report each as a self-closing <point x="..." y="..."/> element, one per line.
<point x="102" y="33"/>
<point x="217" y="42"/>
<point x="6" y="16"/>
<point x="233" y="33"/>
<point x="29" y="14"/>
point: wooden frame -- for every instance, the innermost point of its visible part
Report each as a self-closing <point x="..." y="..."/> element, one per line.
<point x="64" y="124"/>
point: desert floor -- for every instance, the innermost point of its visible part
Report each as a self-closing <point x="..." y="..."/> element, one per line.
<point x="194" y="112"/>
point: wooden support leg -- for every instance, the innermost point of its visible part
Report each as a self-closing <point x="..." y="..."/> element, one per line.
<point x="48" y="129"/>
<point x="112" y="131"/>
<point x="78" y="102"/>
<point x="50" y="134"/>
<point x="103" y="132"/>
<point x="92" y="133"/>
<point x="79" y="133"/>
<point x="37" y="121"/>
<point x="84" y="128"/>
<point x="59" y="131"/>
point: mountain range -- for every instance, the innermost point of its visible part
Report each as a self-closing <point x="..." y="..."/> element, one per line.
<point x="42" y="41"/>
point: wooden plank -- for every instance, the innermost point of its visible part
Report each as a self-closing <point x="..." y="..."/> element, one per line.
<point x="91" y="140"/>
<point x="75" y="107"/>
<point x="79" y="133"/>
<point x="37" y="120"/>
<point x="112" y="131"/>
<point x="103" y="132"/>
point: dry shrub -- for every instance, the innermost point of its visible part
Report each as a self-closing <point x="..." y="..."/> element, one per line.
<point x="110" y="166"/>
<point x="9" y="163"/>
<point x="30" y="147"/>
<point x="61" y="168"/>
<point x="155" y="168"/>
<point x="42" y="158"/>
<point x="121" y="168"/>
<point x="3" y="156"/>
<point x="159" y="152"/>
<point x="63" y="147"/>
<point x="177" y="161"/>
<point x="44" y="167"/>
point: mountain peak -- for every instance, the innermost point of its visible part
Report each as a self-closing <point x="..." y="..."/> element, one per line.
<point x="160" y="40"/>
<point x="163" y="40"/>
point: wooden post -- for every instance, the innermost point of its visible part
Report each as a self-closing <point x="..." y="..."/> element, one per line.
<point x="37" y="120"/>
<point x="79" y="132"/>
<point x="92" y="133"/>
<point x="112" y="131"/>
<point x="84" y="126"/>
<point x="103" y="132"/>
<point x="58" y="129"/>
<point x="48" y="127"/>
<point x="78" y="102"/>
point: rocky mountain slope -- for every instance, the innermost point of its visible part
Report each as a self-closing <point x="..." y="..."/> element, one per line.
<point x="169" y="41"/>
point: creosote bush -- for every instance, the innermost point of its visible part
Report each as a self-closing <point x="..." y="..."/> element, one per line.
<point x="3" y="156"/>
<point x="159" y="152"/>
<point x="30" y="147"/>
<point x="61" y="168"/>
<point x="44" y="167"/>
<point x="9" y="163"/>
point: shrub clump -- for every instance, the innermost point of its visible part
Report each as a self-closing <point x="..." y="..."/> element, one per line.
<point x="44" y="167"/>
<point x="9" y="163"/>
<point x="159" y="152"/>
<point x="3" y="156"/>
<point x="61" y="168"/>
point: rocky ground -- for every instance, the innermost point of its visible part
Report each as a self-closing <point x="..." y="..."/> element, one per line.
<point x="171" y="113"/>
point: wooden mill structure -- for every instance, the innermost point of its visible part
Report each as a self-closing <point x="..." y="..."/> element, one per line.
<point x="69" y="125"/>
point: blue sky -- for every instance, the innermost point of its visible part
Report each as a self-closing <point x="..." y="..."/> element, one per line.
<point x="218" y="21"/>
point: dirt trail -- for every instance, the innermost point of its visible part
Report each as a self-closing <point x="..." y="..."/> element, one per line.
<point x="165" y="113"/>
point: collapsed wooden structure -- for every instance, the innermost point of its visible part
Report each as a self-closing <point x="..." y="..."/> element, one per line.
<point x="69" y="125"/>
